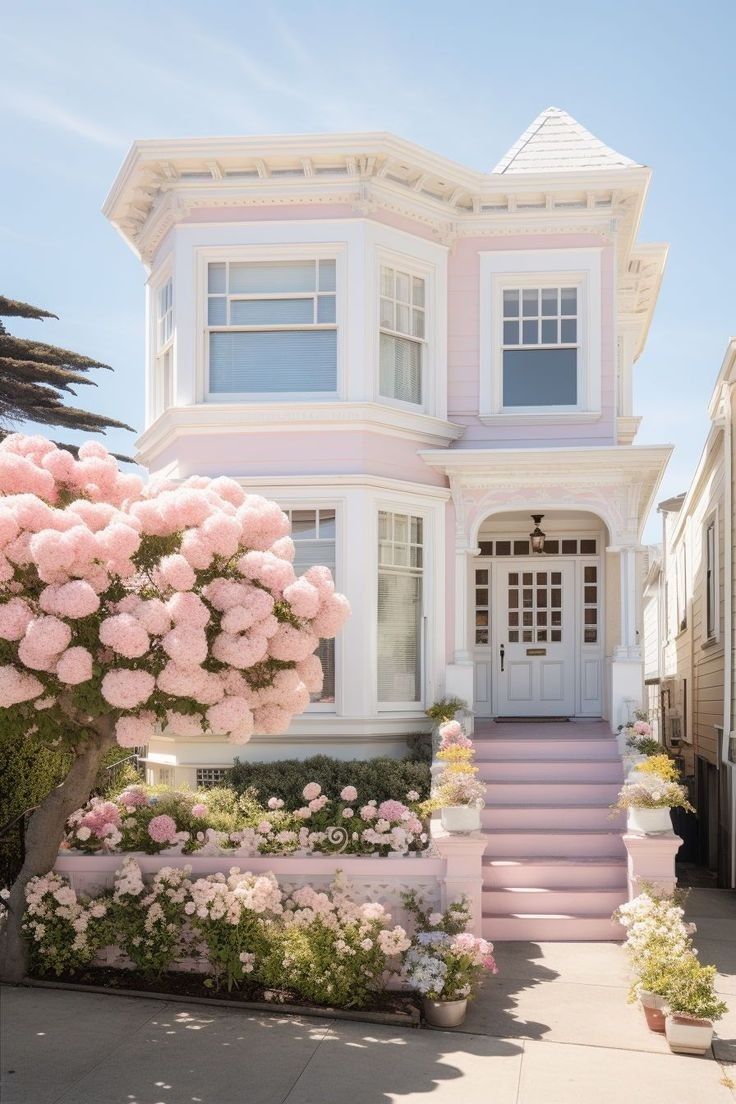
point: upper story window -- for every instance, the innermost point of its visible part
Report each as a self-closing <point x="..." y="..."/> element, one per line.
<point x="163" y="383"/>
<point x="681" y="588"/>
<point x="540" y="347"/>
<point x="711" y="580"/>
<point x="314" y="534"/>
<point x="402" y="335"/>
<point x="272" y="327"/>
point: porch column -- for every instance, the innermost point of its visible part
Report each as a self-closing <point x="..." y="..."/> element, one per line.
<point x="459" y="677"/>
<point x="626" y="662"/>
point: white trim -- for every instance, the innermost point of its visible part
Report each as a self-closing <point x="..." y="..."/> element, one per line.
<point x="712" y="518"/>
<point x="535" y="267"/>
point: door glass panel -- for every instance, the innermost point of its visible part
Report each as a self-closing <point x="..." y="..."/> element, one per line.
<point x="536" y="598"/>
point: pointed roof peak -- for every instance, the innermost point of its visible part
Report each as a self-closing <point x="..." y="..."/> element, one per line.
<point x="555" y="142"/>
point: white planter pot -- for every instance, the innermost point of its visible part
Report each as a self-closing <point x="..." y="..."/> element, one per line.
<point x="649" y="821"/>
<point x="687" y="1035"/>
<point x="444" y="1013"/>
<point x="460" y="818"/>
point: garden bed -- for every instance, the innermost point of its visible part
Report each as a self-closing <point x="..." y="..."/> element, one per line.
<point x="391" y="1009"/>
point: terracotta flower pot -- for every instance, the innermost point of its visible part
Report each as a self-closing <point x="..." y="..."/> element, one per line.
<point x="445" y="1013"/>
<point x="653" y="1006"/>
<point x="688" y="1035"/>
<point x="649" y="822"/>
<point x="460" y="818"/>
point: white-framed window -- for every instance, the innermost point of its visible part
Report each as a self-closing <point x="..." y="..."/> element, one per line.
<point x="271" y="327"/>
<point x="313" y="530"/>
<point x="681" y="585"/>
<point x="712" y="589"/>
<point x="164" y="346"/>
<point x="210" y="776"/>
<point x="400" y="608"/>
<point x="540" y="348"/>
<point x="540" y="329"/>
<point x="402" y="336"/>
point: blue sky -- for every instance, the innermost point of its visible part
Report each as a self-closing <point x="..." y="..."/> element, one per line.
<point x="653" y="79"/>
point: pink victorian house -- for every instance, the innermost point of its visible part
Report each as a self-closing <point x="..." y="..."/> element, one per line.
<point x="423" y="363"/>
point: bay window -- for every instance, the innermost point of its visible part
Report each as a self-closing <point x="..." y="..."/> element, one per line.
<point x="402" y="336"/>
<point x="272" y="327"/>
<point x="400" y="607"/>
<point x="164" y="346"/>
<point x="314" y="536"/>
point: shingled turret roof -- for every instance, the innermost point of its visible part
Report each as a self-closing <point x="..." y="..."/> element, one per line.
<point x="555" y="142"/>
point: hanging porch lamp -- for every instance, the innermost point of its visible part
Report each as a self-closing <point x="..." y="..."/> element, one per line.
<point x="537" y="536"/>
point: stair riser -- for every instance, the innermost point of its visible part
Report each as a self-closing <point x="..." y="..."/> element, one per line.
<point x="569" y="770"/>
<point x="598" y="902"/>
<point x="546" y="749"/>
<point x="565" y="876"/>
<point x="553" y="844"/>
<point x="574" y="929"/>
<point x="552" y="793"/>
<point x="496" y="818"/>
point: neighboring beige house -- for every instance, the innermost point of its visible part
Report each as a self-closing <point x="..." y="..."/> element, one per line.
<point x="688" y="616"/>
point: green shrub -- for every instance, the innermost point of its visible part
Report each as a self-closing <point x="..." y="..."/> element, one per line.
<point x="381" y="779"/>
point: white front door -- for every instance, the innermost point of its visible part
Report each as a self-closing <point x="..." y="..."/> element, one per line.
<point x="534" y="638"/>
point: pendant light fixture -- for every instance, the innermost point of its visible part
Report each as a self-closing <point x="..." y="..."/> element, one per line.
<point x="537" y="536"/>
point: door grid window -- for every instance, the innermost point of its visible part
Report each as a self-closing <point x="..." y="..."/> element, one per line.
<point x="535" y="607"/>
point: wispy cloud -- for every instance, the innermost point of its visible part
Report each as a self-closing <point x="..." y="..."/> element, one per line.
<point x="42" y="109"/>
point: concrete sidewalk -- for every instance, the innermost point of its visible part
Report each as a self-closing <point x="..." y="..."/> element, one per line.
<point x="553" y="1028"/>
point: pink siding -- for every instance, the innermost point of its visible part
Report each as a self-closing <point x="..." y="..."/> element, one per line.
<point x="463" y="348"/>
<point x="298" y="452"/>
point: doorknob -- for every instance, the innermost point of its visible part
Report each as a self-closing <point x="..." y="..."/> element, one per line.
<point x="502" y="650"/>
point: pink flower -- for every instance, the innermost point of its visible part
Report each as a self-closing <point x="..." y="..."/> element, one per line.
<point x="183" y="724"/>
<point x="331" y="617"/>
<point x="76" y="599"/>
<point x="303" y="597"/>
<point x="125" y="689"/>
<point x="74" y="666"/>
<point x="188" y="609"/>
<point x="135" y="731"/>
<point x="275" y="803"/>
<point x="162" y="829"/>
<point x="391" y="810"/>
<point x="15" y="617"/>
<point x="641" y="728"/>
<point x="48" y="636"/>
<point x="125" y="635"/>
<point x="200" y="809"/>
<point x="349" y="793"/>
<point x="368" y="812"/>
<point x="153" y="615"/>
<point x="230" y="714"/>
<point x="290" y="643"/>
<point x="311" y="790"/>
<point x="177" y="572"/>
<point x="348" y="814"/>
<point x="187" y="646"/>
<point x="17" y="686"/>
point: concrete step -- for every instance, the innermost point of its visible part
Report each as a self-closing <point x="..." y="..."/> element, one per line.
<point x="551" y="793"/>
<point x="500" y="818"/>
<point x="555" y="843"/>
<point x="568" y="901"/>
<point x="551" y="770"/>
<point x="534" y="748"/>
<point x="552" y="873"/>
<point x="550" y="928"/>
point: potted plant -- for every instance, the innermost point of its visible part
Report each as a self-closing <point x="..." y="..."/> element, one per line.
<point x="457" y="792"/>
<point x="445" y="963"/>
<point x="444" y="710"/>
<point x="647" y="799"/>
<point x="692" y="1006"/>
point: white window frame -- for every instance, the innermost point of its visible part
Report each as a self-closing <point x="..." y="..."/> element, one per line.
<point x="408" y="510"/>
<point x="712" y="523"/>
<point x="161" y="353"/>
<point x="298" y="251"/>
<point x="511" y="269"/>
<point x="681" y="618"/>
<point x="414" y="267"/>
<point x="324" y="504"/>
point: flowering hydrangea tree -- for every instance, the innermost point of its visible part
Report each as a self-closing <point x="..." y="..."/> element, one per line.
<point x="126" y="605"/>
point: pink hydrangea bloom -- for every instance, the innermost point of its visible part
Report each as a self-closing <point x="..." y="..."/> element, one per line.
<point x="15" y="617"/>
<point x="391" y="810"/>
<point x="125" y="635"/>
<point x="162" y="829"/>
<point x="228" y="715"/>
<point x="186" y="608"/>
<point x="311" y="790"/>
<point x="200" y="809"/>
<point x="125" y="688"/>
<point x="186" y="645"/>
<point x="74" y="666"/>
<point x="641" y="728"/>
<point x="48" y="636"/>
<point x="349" y="793"/>
<point x="135" y="731"/>
<point x="17" y="686"/>
<point x="177" y="572"/>
<point x="76" y="599"/>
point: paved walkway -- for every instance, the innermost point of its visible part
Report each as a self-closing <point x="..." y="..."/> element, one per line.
<point x="553" y="1028"/>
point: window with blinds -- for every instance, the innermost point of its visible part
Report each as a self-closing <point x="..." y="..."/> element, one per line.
<point x="400" y="607"/>
<point x="402" y="335"/>
<point x="314" y="536"/>
<point x="272" y="327"/>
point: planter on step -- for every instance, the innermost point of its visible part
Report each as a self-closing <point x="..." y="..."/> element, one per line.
<point x="687" y="1035"/>
<point x="649" y="822"/>
<point x="445" y="1013"/>
<point x="653" y="1006"/>
<point x="460" y="818"/>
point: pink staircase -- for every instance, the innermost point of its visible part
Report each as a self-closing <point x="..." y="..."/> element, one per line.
<point x="555" y="864"/>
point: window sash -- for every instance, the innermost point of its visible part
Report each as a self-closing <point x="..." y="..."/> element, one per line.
<point x="316" y="543"/>
<point x="402" y="335"/>
<point x="538" y="368"/>
<point x="400" y="611"/>
<point x="711" y="582"/>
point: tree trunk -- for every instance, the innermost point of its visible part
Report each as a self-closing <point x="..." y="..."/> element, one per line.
<point x="44" y="834"/>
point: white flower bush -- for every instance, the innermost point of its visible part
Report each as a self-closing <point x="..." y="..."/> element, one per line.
<point x="149" y="919"/>
<point x="64" y="931"/>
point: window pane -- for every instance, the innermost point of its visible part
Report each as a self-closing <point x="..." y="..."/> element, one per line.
<point x="304" y="524"/>
<point x="568" y="331"/>
<point x="530" y="302"/>
<point x="400" y="375"/>
<point x="549" y="301"/>
<point x="481" y="597"/>
<point x="521" y="548"/>
<point x="216" y="277"/>
<point x="549" y="331"/>
<point x="591" y="574"/>
<point x="417" y="323"/>
<point x="486" y="548"/>
<point x="481" y="577"/>
<point x="327" y="276"/>
<point x="569" y="301"/>
<point x="503" y="548"/>
<point x="417" y="527"/>
<point x="291" y="360"/>
<point x="387" y="282"/>
<point x="529" y="333"/>
<point x="403" y="287"/>
<point x="588" y="547"/>
<point x="591" y="594"/>
<point x="417" y="286"/>
<point x="326" y="524"/>
<point x="399" y="637"/>
<point x="511" y="333"/>
<point x="260" y="276"/>
<point x="511" y="304"/>
<point x="387" y="314"/>
<point x="217" y="310"/>
<point x="326" y="308"/>
<point x="277" y="312"/>
<point x="402" y="319"/>
<point x="569" y="547"/>
<point x="540" y="377"/>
